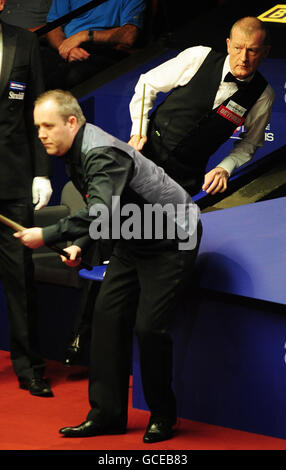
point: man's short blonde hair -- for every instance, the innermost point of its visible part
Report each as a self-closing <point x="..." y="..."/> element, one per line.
<point x="250" y="25"/>
<point x="67" y="104"/>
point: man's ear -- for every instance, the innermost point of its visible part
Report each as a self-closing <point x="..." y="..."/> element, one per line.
<point x="72" y="121"/>
<point x="228" y="44"/>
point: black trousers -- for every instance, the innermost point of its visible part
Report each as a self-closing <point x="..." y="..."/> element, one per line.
<point x="65" y="75"/>
<point x="17" y="276"/>
<point x="141" y="292"/>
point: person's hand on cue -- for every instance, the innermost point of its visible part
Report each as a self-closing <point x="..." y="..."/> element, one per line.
<point x="137" y="142"/>
<point x="74" y="253"/>
<point x="31" y="237"/>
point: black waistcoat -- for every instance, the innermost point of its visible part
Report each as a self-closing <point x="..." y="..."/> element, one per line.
<point x="185" y="131"/>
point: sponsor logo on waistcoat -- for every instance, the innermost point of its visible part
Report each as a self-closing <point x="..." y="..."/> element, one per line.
<point x="232" y="112"/>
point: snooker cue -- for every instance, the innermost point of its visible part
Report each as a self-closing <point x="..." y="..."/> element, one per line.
<point x="19" y="228"/>
<point x="141" y="115"/>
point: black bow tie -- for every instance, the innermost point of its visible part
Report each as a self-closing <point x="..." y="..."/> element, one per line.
<point x="230" y="78"/>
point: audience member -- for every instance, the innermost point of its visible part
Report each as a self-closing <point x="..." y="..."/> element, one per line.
<point x="90" y="42"/>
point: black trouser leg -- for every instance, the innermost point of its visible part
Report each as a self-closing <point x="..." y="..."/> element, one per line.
<point x="17" y="274"/>
<point x="111" y="343"/>
<point x="163" y="276"/>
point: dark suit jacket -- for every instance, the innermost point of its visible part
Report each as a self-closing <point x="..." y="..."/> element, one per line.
<point x="22" y="156"/>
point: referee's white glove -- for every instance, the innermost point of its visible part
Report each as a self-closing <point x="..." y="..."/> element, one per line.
<point x="41" y="191"/>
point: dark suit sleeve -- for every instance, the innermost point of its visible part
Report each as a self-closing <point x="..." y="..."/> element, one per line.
<point x="41" y="161"/>
<point x="107" y="172"/>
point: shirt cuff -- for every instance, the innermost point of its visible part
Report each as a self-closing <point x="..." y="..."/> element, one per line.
<point x="50" y="234"/>
<point x="83" y="242"/>
<point x="136" y="127"/>
<point x="227" y="165"/>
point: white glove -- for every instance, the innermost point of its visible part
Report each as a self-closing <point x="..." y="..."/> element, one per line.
<point x="41" y="191"/>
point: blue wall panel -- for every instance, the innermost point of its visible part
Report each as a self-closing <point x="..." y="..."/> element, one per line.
<point x="229" y="368"/>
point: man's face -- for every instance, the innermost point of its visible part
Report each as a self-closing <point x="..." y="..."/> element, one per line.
<point x="55" y="134"/>
<point x="2" y="3"/>
<point x="246" y="51"/>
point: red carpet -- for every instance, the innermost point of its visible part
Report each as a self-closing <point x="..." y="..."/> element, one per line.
<point x="32" y="423"/>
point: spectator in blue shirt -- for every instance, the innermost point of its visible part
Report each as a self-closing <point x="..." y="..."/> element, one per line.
<point x="92" y="41"/>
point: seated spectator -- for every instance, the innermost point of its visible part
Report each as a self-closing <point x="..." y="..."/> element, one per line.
<point x="90" y="42"/>
<point x="30" y="14"/>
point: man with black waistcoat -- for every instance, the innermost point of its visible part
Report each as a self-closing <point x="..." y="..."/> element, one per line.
<point x="24" y="170"/>
<point x="148" y="270"/>
<point x="212" y="94"/>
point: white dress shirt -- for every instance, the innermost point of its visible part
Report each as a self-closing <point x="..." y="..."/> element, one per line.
<point x="178" y="72"/>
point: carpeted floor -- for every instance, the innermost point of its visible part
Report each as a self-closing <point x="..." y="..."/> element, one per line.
<point x="32" y="423"/>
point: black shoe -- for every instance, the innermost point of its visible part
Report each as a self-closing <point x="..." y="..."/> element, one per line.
<point x="36" y="386"/>
<point x="73" y="352"/>
<point x="88" y="429"/>
<point x="158" y="430"/>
